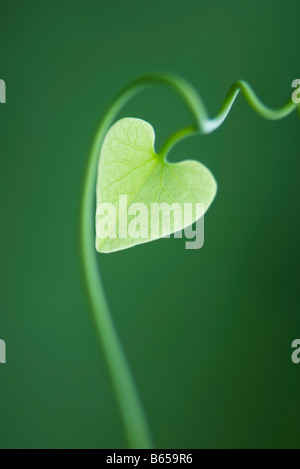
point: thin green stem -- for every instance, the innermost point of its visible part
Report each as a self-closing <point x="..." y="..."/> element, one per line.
<point x="175" y="138"/>
<point x="206" y="125"/>
<point x="131" y="410"/>
<point x="132" y="413"/>
<point x="210" y="125"/>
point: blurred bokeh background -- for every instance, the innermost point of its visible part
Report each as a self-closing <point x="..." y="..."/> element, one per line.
<point x="207" y="333"/>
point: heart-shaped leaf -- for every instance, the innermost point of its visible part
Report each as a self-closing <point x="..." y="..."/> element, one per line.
<point x="136" y="187"/>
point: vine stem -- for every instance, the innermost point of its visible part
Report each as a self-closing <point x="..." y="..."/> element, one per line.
<point x="131" y="409"/>
<point x="205" y="125"/>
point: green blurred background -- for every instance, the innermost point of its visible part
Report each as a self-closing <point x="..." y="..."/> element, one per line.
<point x="207" y="333"/>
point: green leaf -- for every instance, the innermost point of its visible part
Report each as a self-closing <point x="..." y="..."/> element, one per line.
<point x="129" y="166"/>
